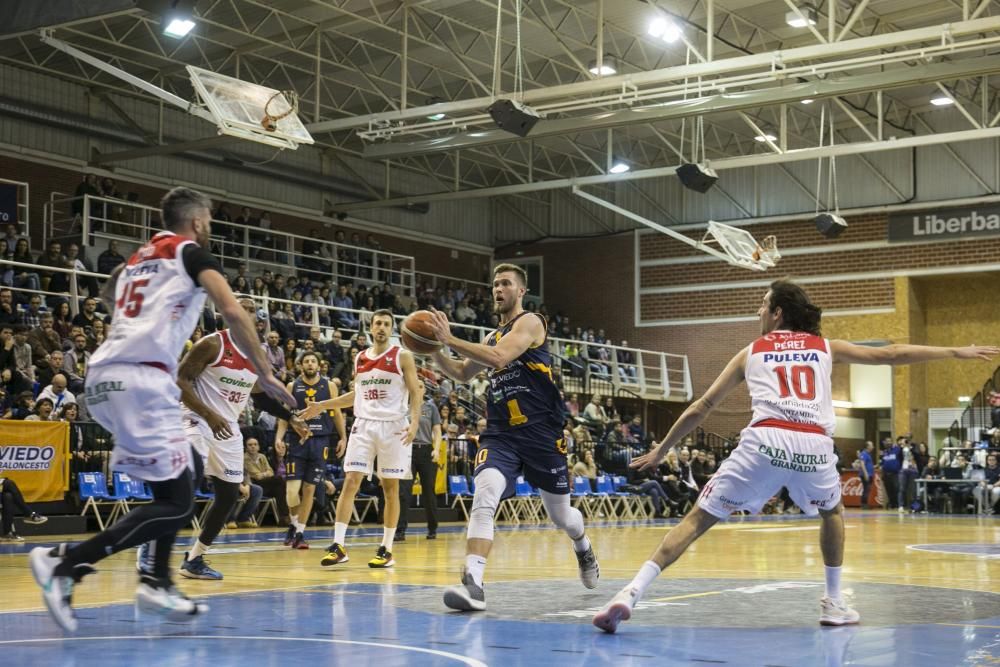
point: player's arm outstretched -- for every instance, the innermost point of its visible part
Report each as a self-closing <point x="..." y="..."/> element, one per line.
<point x="415" y="389"/>
<point x="339" y="421"/>
<point x="243" y="332"/>
<point x="198" y="358"/>
<point x="527" y="331"/>
<point x="265" y="403"/>
<point x="313" y="409"/>
<point x="900" y="354"/>
<point x="729" y="379"/>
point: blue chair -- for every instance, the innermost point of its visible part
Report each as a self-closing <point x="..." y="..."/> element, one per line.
<point x="581" y="496"/>
<point x="93" y="490"/>
<point x="458" y="488"/>
<point x="634" y="506"/>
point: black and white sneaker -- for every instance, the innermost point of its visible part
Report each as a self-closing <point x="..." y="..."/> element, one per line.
<point x="469" y="596"/>
<point x="590" y="570"/>
<point x="57" y="590"/>
<point x="144" y="559"/>
<point x="161" y="597"/>
<point x="35" y="519"/>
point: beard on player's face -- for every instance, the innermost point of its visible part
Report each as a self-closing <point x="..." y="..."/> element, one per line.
<point x="310" y="372"/>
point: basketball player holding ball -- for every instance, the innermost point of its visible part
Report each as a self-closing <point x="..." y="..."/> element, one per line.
<point x="524" y="432"/>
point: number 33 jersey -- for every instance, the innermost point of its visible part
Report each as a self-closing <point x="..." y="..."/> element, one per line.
<point x="788" y="375"/>
<point x="157" y="303"/>
<point x="225" y="384"/>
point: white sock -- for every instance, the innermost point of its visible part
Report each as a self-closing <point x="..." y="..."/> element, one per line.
<point x="476" y="566"/>
<point x="387" y="536"/>
<point x="644" y="577"/>
<point x="198" y="549"/>
<point x="299" y="526"/>
<point x="339" y="533"/>
<point x="833" y="583"/>
<point x="582" y="544"/>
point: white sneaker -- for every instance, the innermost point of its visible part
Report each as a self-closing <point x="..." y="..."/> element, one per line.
<point x="836" y="612"/>
<point x="57" y="592"/>
<point x="590" y="570"/>
<point x="617" y="610"/>
<point x="161" y="597"/>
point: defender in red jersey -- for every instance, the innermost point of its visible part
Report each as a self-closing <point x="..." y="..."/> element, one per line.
<point x="788" y="443"/>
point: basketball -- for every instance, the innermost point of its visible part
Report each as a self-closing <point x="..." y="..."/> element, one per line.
<point x="416" y="333"/>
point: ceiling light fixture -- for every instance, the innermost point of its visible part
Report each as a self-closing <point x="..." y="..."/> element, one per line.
<point x="607" y="67"/>
<point x="806" y="16"/>
<point x="765" y="137"/>
<point x="178" y="27"/>
<point x="177" y="18"/>
<point x="664" y="29"/>
<point x="619" y="167"/>
<point x="807" y="101"/>
<point x="942" y="101"/>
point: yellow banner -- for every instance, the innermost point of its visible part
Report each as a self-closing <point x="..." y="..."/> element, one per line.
<point x="441" y="481"/>
<point x="35" y="454"/>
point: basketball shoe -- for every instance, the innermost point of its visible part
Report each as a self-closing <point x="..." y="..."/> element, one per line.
<point x="335" y="554"/>
<point x="144" y="559"/>
<point x="35" y="519"/>
<point x="161" y="597"/>
<point x="383" y="558"/>
<point x="590" y="570"/>
<point x="836" y="612"/>
<point x="198" y="568"/>
<point x="469" y="596"/>
<point x="290" y="536"/>
<point x="57" y="589"/>
<point x="617" y="610"/>
<point x="299" y="542"/>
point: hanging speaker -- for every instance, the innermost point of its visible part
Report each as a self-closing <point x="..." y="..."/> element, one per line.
<point x="513" y="117"/>
<point x="829" y="225"/>
<point x="697" y="177"/>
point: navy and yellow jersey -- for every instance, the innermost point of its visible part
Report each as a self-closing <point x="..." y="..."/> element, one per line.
<point x="305" y="393"/>
<point x="523" y="394"/>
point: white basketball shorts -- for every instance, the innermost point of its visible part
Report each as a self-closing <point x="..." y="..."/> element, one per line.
<point x="371" y="439"/>
<point x="223" y="458"/>
<point x="140" y="406"/>
<point x="768" y="459"/>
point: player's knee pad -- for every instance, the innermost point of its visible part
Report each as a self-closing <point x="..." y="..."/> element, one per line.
<point x="292" y="488"/>
<point x="563" y="515"/>
<point x="490" y="485"/>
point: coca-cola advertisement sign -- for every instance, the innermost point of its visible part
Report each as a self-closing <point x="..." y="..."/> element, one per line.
<point x="851" y="488"/>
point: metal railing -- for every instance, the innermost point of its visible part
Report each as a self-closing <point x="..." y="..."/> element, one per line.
<point x="23" y="206"/>
<point x="650" y="374"/>
<point x="976" y="417"/>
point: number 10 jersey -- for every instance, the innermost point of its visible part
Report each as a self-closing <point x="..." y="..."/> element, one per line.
<point x="788" y="374"/>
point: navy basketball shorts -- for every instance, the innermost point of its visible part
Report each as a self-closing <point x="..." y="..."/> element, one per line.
<point x="307" y="460"/>
<point x="538" y="453"/>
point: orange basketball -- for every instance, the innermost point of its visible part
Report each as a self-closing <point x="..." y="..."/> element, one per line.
<point x="416" y="333"/>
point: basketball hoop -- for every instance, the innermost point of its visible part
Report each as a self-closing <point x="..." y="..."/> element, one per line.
<point x="270" y="121"/>
<point x="767" y="251"/>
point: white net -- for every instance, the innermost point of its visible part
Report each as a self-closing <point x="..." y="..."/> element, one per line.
<point x="740" y="247"/>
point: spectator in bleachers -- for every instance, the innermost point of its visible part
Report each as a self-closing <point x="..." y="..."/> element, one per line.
<point x="636" y="430"/>
<point x="263" y="238"/>
<point x="110" y="258"/>
<point x="48" y="367"/>
<point x="260" y="472"/>
<point x="57" y="392"/>
<point x="8" y="311"/>
<point x="9" y="241"/>
<point x="7" y="359"/>
<point x="460" y="454"/>
<point x="961" y="494"/>
<point x="97" y="335"/>
<point x="595" y="415"/>
<point x="88" y="186"/>
<point x="291" y="352"/>
<point x="275" y="355"/>
<point x="22" y="353"/>
<point x="585" y="467"/>
<point x="44" y="339"/>
<point x="78" y="262"/>
<point x="31" y="316"/>
<point x="62" y="321"/>
<point x="259" y="289"/>
<point x="987" y="492"/>
<point x="24" y="405"/>
<point x="676" y="479"/>
<point x="19" y="276"/>
<point x="344" y="320"/>
<point x="76" y="362"/>
<point x="52" y="257"/>
<point x="936" y="493"/>
<point x="42" y="411"/>
<point x="12" y="385"/>
<point x="572" y="405"/>
<point x="85" y="318"/>
<point x="698" y="469"/>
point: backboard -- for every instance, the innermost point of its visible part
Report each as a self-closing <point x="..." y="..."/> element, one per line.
<point x="240" y="109"/>
<point x="740" y="246"/>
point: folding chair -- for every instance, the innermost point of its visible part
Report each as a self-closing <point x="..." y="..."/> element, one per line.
<point x="529" y="501"/>
<point x="205" y="497"/>
<point x="581" y="494"/>
<point x="606" y="498"/>
<point x="265" y="505"/>
<point x="93" y="490"/>
<point x="123" y="493"/>
<point x="368" y="503"/>
<point x="633" y="504"/>
<point x="458" y="487"/>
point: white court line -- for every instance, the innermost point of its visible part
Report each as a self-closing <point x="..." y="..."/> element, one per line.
<point x="472" y="662"/>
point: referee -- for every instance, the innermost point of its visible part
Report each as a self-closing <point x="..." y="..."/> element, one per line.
<point x="424" y="463"/>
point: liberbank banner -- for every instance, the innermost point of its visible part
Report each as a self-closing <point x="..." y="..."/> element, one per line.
<point x="946" y="225"/>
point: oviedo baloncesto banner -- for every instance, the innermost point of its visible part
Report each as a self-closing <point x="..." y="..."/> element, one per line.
<point x="35" y="455"/>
